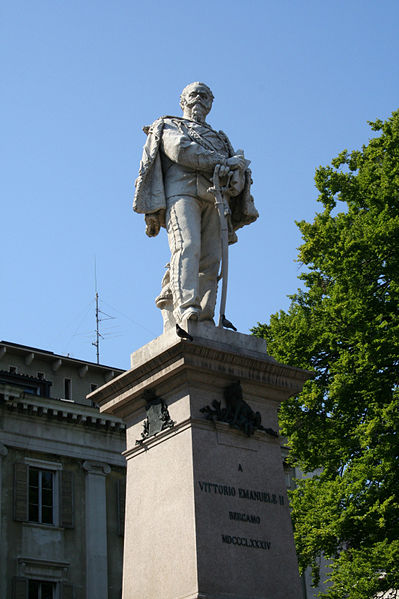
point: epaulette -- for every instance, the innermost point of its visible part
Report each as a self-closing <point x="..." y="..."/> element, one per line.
<point x="147" y="128"/>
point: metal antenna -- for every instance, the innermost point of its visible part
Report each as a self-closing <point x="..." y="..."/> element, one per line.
<point x="96" y="343"/>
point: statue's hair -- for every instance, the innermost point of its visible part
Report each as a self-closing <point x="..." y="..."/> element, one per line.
<point x="185" y="90"/>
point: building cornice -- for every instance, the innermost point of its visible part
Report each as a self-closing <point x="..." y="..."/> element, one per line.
<point x="69" y="412"/>
<point x="56" y="360"/>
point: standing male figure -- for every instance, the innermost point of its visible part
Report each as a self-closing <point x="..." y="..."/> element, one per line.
<point x="176" y="170"/>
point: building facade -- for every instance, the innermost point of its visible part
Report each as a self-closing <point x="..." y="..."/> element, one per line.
<point x="62" y="479"/>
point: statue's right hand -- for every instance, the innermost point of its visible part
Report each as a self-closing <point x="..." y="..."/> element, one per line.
<point x="153" y="222"/>
<point x="237" y="161"/>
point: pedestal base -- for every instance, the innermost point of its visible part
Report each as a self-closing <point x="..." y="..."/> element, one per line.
<point x="206" y="507"/>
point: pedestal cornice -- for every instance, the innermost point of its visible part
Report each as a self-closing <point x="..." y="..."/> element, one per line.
<point x="186" y="359"/>
<point x="221" y="428"/>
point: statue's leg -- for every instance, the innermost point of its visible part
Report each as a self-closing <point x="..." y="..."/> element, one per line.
<point x="209" y="259"/>
<point x="183" y="220"/>
<point x="164" y="301"/>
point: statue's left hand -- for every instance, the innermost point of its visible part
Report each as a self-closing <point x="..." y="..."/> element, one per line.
<point x="237" y="183"/>
<point x="237" y="162"/>
<point x="153" y="222"/>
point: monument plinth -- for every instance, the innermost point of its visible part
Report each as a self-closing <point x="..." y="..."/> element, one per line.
<point x="207" y="514"/>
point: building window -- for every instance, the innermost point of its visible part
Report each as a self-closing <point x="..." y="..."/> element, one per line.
<point x="289" y="474"/>
<point x="13" y="369"/>
<point x="41" y="496"/>
<point x="43" y="493"/>
<point x="38" y="589"/>
<point x="67" y="389"/>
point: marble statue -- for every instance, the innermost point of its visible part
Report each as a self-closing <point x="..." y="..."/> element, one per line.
<point x="193" y="183"/>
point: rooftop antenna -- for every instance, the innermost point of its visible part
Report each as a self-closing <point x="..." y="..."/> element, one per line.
<point x="99" y="336"/>
<point x="96" y="343"/>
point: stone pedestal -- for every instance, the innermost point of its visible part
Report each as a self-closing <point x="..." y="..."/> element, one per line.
<point x="206" y="507"/>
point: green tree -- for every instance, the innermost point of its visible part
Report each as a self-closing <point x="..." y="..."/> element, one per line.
<point x="344" y="326"/>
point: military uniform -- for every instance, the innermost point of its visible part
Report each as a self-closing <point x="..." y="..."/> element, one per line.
<point x="189" y="153"/>
<point x="175" y="174"/>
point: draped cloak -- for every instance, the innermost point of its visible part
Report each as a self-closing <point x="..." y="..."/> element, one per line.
<point x="150" y="194"/>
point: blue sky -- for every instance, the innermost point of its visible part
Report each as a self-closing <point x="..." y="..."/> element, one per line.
<point x="295" y="82"/>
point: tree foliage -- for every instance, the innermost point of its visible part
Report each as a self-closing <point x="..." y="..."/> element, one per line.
<point x="344" y="326"/>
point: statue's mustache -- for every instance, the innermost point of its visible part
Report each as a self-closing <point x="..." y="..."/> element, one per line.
<point x="196" y="103"/>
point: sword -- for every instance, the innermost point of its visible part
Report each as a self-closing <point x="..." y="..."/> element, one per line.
<point x="222" y="206"/>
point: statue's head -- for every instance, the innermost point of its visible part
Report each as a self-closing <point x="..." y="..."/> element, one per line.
<point x="196" y="101"/>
